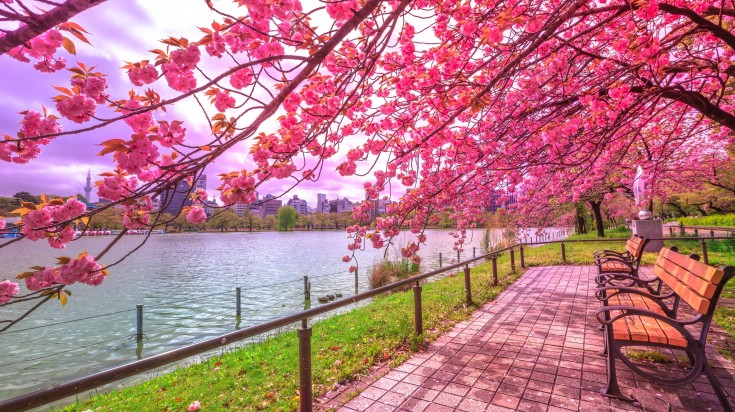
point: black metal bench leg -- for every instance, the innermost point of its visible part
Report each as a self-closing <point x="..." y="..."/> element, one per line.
<point x="690" y="355"/>
<point x="612" y="390"/>
<point x="719" y="390"/>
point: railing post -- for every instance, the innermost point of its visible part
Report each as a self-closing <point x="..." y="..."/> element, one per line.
<point x="682" y="231"/>
<point x="458" y="257"/>
<point x="305" y="393"/>
<point x="696" y="232"/>
<point x="139" y="322"/>
<point x="356" y="281"/>
<point x="467" y="285"/>
<point x="495" y="270"/>
<point x="711" y="233"/>
<point x="307" y="288"/>
<point x="474" y="255"/>
<point x="440" y="260"/>
<point x="417" y="316"/>
<point x="563" y="253"/>
<point x="238" y="300"/>
<point x="671" y="230"/>
<point x="523" y="261"/>
<point x="704" y="252"/>
<point x="512" y="260"/>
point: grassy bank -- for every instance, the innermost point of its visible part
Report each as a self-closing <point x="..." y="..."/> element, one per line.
<point x="264" y="375"/>
<point x="711" y="220"/>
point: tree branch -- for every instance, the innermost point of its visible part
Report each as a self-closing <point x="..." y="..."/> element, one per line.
<point x="45" y="22"/>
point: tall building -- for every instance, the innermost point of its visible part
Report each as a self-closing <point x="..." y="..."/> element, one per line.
<point x="322" y="206"/>
<point x="380" y="207"/>
<point x="299" y="204"/>
<point x="239" y="208"/>
<point x="269" y="206"/>
<point x="173" y="200"/>
<point x="201" y="182"/>
<point x="341" y="205"/>
<point x="88" y="187"/>
<point x="210" y="206"/>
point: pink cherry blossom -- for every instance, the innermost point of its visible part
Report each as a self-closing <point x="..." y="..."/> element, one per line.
<point x="196" y="215"/>
<point x="143" y="75"/>
<point x="8" y="289"/>
<point x="194" y="406"/>
<point x="223" y="101"/>
<point x="79" y="108"/>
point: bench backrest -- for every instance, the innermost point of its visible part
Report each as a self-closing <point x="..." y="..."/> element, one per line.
<point x="696" y="283"/>
<point x="635" y="246"/>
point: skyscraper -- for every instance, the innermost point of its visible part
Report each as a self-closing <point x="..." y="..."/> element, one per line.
<point x="299" y="204"/>
<point x="322" y="206"/>
<point x="173" y="200"/>
<point x="201" y="183"/>
<point x="88" y="188"/>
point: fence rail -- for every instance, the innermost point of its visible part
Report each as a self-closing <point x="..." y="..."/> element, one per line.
<point x="55" y="393"/>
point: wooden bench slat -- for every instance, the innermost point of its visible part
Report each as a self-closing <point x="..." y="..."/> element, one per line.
<point x="709" y="273"/>
<point x="697" y="302"/>
<point x="615" y="266"/>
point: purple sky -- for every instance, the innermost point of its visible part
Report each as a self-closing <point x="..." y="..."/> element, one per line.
<point x="122" y="30"/>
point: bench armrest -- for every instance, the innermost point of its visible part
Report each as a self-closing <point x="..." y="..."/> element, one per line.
<point x="605" y="252"/>
<point x="605" y="279"/>
<point x="602" y="259"/>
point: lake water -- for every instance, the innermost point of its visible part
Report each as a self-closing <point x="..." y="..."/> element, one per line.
<point x="186" y="283"/>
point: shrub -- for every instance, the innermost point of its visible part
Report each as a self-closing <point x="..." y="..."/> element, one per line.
<point x="711" y="220"/>
<point x="387" y="272"/>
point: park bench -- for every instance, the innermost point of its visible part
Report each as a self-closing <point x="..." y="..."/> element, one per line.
<point x="634" y="317"/>
<point x="612" y="265"/>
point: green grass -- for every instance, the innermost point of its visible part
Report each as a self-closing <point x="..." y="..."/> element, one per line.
<point x="711" y="220"/>
<point x="652" y="356"/>
<point x="264" y="376"/>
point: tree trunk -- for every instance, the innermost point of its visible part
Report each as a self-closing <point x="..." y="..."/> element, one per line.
<point x="579" y="221"/>
<point x="599" y="224"/>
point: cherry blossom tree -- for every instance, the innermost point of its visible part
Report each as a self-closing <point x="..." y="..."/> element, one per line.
<point x="453" y="102"/>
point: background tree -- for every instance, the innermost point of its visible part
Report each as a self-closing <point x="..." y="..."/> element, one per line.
<point x="270" y="222"/>
<point x="224" y="220"/>
<point x="287" y="217"/>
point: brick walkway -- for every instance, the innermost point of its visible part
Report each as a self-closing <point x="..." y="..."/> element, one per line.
<point x="535" y="348"/>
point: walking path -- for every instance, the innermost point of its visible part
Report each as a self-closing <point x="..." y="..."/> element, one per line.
<point x="535" y="348"/>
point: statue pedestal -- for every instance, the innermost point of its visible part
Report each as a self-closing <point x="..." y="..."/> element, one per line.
<point x="652" y="228"/>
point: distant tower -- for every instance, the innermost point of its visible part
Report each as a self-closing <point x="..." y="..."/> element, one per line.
<point x="88" y="188"/>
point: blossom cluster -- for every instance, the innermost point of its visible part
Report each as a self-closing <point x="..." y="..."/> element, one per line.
<point x="42" y="48"/>
<point x="52" y="222"/>
<point x="8" y="290"/>
<point x="179" y="72"/>
<point x="87" y="92"/>
<point x="83" y="269"/>
<point x="137" y="213"/>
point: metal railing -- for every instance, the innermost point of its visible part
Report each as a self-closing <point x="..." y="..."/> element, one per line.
<point x="55" y="393"/>
<point x="695" y="230"/>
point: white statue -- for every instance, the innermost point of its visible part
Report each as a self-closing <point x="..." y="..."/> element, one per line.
<point x="639" y="188"/>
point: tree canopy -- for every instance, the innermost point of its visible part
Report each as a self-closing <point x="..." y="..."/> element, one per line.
<point x="287" y="218"/>
<point x="454" y="102"/>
